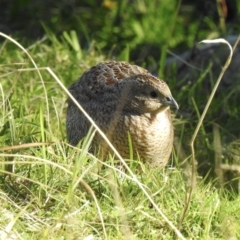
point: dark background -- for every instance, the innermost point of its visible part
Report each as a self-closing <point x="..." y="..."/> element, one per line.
<point x="106" y="22"/>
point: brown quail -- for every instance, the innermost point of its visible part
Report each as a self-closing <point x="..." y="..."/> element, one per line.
<point x="124" y="100"/>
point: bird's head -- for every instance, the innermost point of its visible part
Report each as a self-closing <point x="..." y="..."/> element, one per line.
<point x="147" y="94"/>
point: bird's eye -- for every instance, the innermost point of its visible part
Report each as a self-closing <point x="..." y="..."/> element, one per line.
<point x="153" y="94"/>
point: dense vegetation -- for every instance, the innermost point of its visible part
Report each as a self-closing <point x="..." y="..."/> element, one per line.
<point x="49" y="190"/>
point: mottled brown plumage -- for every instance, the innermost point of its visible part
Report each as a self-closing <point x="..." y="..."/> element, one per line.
<point x="123" y="98"/>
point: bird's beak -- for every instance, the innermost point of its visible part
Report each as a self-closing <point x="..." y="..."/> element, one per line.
<point x="170" y="101"/>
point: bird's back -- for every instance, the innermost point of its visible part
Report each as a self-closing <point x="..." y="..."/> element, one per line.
<point x="97" y="93"/>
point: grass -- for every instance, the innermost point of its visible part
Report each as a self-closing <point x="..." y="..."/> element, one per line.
<point x="50" y="190"/>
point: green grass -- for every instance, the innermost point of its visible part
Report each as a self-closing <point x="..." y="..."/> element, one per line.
<point x="55" y="191"/>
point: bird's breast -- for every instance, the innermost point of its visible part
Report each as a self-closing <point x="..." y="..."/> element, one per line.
<point x="151" y="136"/>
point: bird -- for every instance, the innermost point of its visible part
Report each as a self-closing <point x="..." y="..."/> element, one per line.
<point x="130" y="105"/>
